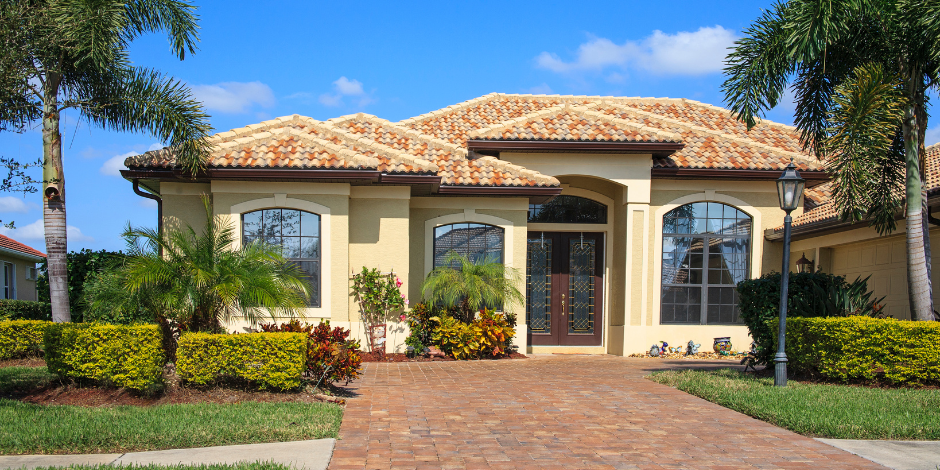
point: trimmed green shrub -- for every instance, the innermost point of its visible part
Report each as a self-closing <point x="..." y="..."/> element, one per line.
<point x="809" y="295"/>
<point x="270" y="360"/>
<point x="20" y="338"/>
<point x="858" y="348"/>
<point x="123" y="356"/>
<point x="25" y="310"/>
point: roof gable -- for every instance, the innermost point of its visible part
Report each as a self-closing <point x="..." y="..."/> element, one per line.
<point x="10" y="245"/>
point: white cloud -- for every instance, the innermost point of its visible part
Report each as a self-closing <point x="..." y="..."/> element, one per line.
<point x="13" y="204"/>
<point x="343" y="87"/>
<point x="234" y="97"/>
<point x="36" y="231"/>
<point x="932" y="136"/>
<point x="542" y="89"/>
<point x="148" y="203"/>
<point x="683" y="53"/>
<point x="114" y="165"/>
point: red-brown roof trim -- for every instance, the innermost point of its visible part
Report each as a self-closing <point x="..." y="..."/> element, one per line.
<point x="655" y="148"/>
<point x="812" y="177"/>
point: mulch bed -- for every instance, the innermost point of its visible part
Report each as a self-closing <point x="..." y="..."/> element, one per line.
<point x="84" y="395"/>
<point x="399" y="357"/>
<point x="24" y="362"/>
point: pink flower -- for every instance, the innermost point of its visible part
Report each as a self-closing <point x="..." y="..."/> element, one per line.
<point x="403" y="317"/>
<point x="398" y="282"/>
<point x="406" y="302"/>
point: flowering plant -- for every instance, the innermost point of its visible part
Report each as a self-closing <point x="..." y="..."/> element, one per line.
<point x="378" y="296"/>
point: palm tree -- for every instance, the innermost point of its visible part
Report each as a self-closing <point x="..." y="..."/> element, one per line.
<point x="860" y="71"/>
<point x="200" y="281"/>
<point x="471" y="285"/>
<point x="72" y="55"/>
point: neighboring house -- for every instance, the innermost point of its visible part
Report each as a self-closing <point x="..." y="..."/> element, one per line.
<point x="19" y="273"/>
<point x="631" y="218"/>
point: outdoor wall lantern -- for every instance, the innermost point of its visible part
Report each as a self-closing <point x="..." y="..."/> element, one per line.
<point x="789" y="190"/>
<point x="804" y="265"/>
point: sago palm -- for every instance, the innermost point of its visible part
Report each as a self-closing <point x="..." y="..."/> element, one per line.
<point x="860" y="71"/>
<point x="202" y="282"/>
<point x="72" y="55"/>
<point x="471" y="285"/>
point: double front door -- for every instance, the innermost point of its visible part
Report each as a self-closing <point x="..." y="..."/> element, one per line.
<point x="564" y="282"/>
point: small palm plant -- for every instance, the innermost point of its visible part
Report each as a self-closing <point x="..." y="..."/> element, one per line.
<point x="469" y="285"/>
<point x="199" y="281"/>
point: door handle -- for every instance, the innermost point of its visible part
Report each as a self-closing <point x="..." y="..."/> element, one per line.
<point x="563" y="311"/>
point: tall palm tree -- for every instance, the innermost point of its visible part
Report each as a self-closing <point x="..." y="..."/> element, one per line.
<point x="201" y="282"/>
<point x="860" y="71"/>
<point x="72" y="55"/>
<point x="470" y="285"/>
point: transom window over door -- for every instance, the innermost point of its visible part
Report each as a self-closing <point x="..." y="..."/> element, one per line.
<point x="706" y="252"/>
<point x="475" y="241"/>
<point x="297" y="233"/>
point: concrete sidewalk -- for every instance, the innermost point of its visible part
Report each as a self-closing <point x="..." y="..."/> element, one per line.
<point x="308" y="455"/>
<point x="899" y="455"/>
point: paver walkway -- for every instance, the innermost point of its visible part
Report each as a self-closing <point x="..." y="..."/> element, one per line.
<point x="556" y="412"/>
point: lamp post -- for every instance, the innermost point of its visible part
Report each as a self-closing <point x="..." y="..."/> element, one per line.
<point x="789" y="190"/>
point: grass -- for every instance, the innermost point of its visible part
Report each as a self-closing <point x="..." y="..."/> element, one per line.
<point x="238" y="466"/>
<point x="24" y="379"/>
<point x="818" y="410"/>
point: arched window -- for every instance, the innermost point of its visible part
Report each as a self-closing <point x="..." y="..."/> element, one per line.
<point x="706" y="252"/>
<point x="475" y="241"/>
<point x="568" y="210"/>
<point x="296" y="232"/>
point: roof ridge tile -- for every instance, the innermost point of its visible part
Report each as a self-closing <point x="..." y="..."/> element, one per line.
<point x="453" y="107"/>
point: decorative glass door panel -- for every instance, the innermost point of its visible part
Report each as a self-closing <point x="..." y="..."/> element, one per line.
<point x="564" y="279"/>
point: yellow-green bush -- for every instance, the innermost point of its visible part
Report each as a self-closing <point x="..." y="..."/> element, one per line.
<point x="859" y="348"/>
<point x="19" y="338"/>
<point x="124" y="356"/>
<point x="486" y="336"/>
<point x="270" y="360"/>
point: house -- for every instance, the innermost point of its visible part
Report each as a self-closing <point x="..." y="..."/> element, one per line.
<point x="632" y="218"/>
<point x="19" y="272"/>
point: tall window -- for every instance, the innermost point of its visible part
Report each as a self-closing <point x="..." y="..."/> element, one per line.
<point x="475" y="241"/>
<point x="297" y="233"/>
<point x="706" y="252"/>
<point x="9" y="281"/>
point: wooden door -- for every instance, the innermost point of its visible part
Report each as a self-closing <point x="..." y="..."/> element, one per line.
<point x="564" y="288"/>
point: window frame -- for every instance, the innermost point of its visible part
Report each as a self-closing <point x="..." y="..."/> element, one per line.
<point x="705" y="236"/>
<point x="434" y="239"/>
<point x="318" y="301"/>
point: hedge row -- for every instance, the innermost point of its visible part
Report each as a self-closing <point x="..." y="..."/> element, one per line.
<point x="124" y="356"/>
<point x="21" y="338"/>
<point x="897" y="352"/>
<point x="270" y="360"/>
<point x="25" y="310"/>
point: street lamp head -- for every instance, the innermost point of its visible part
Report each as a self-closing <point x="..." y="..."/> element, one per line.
<point x="804" y="265"/>
<point x="790" y="188"/>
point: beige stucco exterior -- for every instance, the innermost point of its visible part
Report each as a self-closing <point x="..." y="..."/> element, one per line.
<point x="24" y="286"/>
<point x="390" y="228"/>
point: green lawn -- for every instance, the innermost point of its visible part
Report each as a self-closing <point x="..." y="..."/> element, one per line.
<point x="819" y="410"/>
<point x="62" y="429"/>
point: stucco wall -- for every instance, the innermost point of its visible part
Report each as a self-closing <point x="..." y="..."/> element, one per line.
<point x="862" y="252"/>
<point x="25" y="289"/>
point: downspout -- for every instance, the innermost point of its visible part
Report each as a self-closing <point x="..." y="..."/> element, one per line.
<point x="155" y="198"/>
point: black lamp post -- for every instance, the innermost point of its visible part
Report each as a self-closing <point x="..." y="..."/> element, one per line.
<point x="789" y="190"/>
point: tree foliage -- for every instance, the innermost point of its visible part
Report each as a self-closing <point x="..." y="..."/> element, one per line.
<point x="83" y="267"/>
<point x="472" y="285"/>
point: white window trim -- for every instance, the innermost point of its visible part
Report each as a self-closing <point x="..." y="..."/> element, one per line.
<point x="707" y="196"/>
<point x="468" y="215"/>
<point x="281" y="201"/>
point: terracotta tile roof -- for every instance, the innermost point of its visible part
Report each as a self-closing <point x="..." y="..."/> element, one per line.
<point x="13" y="245"/>
<point x="573" y="123"/>
<point x="820" y="208"/>
<point x="455" y="165"/>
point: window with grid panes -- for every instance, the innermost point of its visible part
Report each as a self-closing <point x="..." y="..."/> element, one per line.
<point x="297" y="233"/>
<point x="475" y="241"/>
<point x="706" y="252"/>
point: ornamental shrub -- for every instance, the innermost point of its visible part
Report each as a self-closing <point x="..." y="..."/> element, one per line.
<point x="331" y="356"/>
<point x="20" y="338"/>
<point x="858" y="348"/>
<point x="421" y="325"/>
<point x="123" y="356"/>
<point x="808" y="295"/>
<point x="268" y="360"/>
<point x="454" y="337"/>
<point x="486" y="336"/>
<point x="25" y="310"/>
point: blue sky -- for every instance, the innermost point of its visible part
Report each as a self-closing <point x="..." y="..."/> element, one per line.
<point x="395" y="60"/>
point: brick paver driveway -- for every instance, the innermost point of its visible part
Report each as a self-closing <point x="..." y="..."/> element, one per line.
<point x="564" y="412"/>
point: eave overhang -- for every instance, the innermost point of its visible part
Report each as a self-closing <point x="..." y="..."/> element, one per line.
<point x="813" y="178"/>
<point x="536" y="194"/>
<point x="659" y="149"/>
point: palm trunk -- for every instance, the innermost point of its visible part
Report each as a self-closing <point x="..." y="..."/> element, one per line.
<point x="53" y="209"/>
<point x="918" y="277"/>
